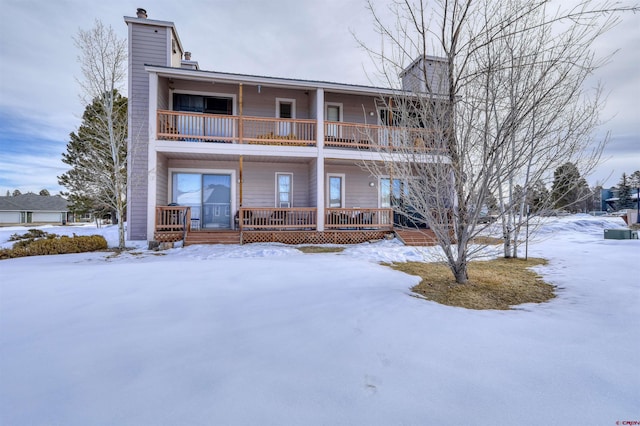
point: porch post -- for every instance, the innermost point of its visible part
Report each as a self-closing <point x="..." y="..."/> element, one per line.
<point x="240" y="125"/>
<point x="320" y="159"/>
<point x="152" y="163"/>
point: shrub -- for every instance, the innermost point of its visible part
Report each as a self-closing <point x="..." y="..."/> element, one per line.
<point x="32" y="234"/>
<point x="55" y="245"/>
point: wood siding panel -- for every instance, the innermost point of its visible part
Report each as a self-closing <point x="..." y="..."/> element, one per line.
<point x="148" y="45"/>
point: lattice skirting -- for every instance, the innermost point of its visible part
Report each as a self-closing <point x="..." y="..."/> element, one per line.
<point x="168" y="237"/>
<point x="312" y="237"/>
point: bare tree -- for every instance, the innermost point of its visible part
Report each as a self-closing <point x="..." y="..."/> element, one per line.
<point x="498" y="88"/>
<point x="102" y="57"/>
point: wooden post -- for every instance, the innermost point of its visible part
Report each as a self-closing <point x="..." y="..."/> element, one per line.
<point x="241" y="180"/>
<point x="241" y="132"/>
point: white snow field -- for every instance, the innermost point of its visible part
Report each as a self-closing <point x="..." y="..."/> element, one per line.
<point x="265" y="335"/>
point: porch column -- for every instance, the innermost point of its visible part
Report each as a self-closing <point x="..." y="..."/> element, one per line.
<point x="320" y="160"/>
<point x="152" y="156"/>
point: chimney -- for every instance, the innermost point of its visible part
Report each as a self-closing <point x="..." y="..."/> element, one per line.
<point x="141" y="13"/>
<point x="187" y="56"/>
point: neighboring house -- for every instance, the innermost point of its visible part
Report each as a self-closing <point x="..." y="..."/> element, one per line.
<point x="33" y="208"/>
<point x="272" y="159"/>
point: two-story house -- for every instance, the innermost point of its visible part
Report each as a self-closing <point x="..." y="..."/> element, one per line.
<point x="218" y="157"/>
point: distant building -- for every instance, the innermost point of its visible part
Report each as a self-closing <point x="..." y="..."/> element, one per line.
<point x="33" y="208"/>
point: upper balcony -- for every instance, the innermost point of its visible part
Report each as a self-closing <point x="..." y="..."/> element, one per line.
<point x="234" y="129"/>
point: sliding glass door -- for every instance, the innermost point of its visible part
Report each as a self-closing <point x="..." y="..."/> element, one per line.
<point x="208" y="195"/>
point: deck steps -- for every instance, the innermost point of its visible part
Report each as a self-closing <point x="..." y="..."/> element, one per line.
<point x="212" y="237"/>
<point x="416" y="237"/>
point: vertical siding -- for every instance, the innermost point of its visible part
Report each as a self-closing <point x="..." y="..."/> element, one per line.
<point x="148" y="45"/>
<point x="358" y="193"/>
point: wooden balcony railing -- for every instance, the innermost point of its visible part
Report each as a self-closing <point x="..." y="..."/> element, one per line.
<point x="358" y="218"/>
<point x="278" y="131"/>
<point x="264" y="218"/>
<point x="195" y="127"/>
<point x="372" y="137"/>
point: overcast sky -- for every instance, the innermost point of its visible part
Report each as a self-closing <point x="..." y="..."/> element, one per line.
<point x="40" y="106"/>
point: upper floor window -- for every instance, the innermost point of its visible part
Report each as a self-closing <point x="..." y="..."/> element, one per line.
<point x="200" y="103"/>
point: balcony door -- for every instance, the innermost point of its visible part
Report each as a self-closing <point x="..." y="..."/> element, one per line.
<point x="286" y="109"/>
<point x="208" y="194"/>
<point x="333" y="114"/>
<point x="335" y="190"/>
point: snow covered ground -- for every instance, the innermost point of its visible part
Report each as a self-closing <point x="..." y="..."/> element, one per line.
<point x="265" y="335"/>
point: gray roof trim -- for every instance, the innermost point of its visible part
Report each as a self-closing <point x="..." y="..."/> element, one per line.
<point x="271" y="81"/>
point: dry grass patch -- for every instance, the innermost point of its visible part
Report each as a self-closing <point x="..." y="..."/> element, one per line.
<point x="493" y="284"/>
<point x="320" y="249"/>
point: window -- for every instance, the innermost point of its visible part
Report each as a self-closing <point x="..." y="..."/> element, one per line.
<point x="206" y="104"/>
<point x="284" y="190"/>
<point x="335" y="190"/>
<point x="392" y="191"/>
<point x="286" y="110"/>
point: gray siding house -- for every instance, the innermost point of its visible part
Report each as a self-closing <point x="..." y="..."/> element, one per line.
<point x="258" y="156"/>
<point x="33" y="208"/>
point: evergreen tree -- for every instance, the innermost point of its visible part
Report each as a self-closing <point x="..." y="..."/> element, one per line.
<point x="634" y="180"/>
<point x="539" y="197"/>
<point x="16" y="192"/>
<point x="44" y="192"/>
<point x="8" y="193"/>
<point x="91" y="179"/>
<point x="568" y="187"/>
<point x="624" y="193"/>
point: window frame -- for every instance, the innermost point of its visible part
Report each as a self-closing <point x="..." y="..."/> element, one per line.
<point x="277" y="189"/>
<point x="342" y="176"/>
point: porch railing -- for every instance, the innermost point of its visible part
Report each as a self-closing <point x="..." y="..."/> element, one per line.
<point x="173" y="221"/>
<point x="264" y="218"/>
<point x="195" y="127"/>
<point x="373" y="137"/>
<point x="358" y="218"/>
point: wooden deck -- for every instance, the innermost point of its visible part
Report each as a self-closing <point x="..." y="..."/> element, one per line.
<point x="416" y="237"/>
